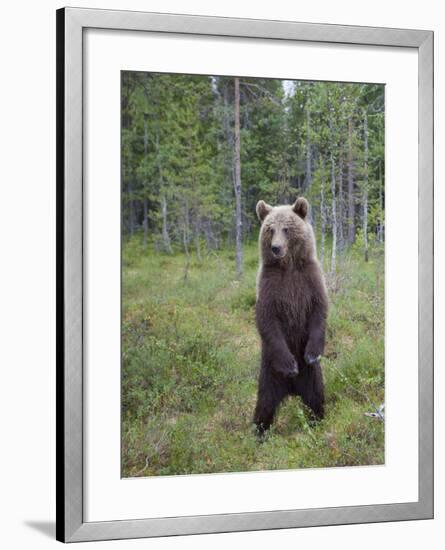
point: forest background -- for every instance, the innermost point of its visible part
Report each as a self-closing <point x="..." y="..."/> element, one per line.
<point x="198" y="152"/>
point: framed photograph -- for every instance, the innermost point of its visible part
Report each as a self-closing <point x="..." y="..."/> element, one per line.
<point x="244" y="274"/>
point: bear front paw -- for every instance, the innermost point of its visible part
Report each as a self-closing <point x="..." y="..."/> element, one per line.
<point x="311" y="358"/>
<point x="293" y="369"/>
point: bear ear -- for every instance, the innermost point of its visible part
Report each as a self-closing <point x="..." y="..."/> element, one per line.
<point x="262" y="209"/>
<point x="301" y="207"/>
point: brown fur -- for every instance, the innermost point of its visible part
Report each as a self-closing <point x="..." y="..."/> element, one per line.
<point x="291" y="311"/>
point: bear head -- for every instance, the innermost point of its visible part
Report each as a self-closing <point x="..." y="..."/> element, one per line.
<point x="286" y="234"/>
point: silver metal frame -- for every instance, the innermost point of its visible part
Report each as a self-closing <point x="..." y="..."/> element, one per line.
<point x="70" y="25"/>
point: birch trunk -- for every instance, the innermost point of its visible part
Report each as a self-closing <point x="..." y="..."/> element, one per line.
<point x="380" y="204"/>
<point x="365" y="187"/>
<point x="333" y="216"/>
<point x="341" y="236"/>
<point x="308" y="150"/>
<point x="351" y="205"/>
<point x="145" y="206"/>
<point x="208" y="235"/>
<point x="185" y="240"/>
<point x="333" y="194"/>
<point x="165" y="234"/>
<point x="197" y="239"/>
<point x="322" y="214"/>
<point x="145" y="224"/>
<point x="131" y="207"/>
<point x="237" y="184"/>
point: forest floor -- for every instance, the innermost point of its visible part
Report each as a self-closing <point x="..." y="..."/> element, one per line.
<point x="191" y="360"/>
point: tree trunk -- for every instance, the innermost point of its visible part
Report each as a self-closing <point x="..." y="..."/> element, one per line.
<point x="165" y="235"/>
<point x="308" y="181"/>
<point x="185" y="240"/>
<point x="322" y="213"/>
<point x="237" y="184"/>
<point x="351" y="204"/>
<point x="145" y="204"/>
<point x="333" y="192"/>
<point x="380" y="204"/>
<point x="197" y="238"/>
<point x="145" y="224"/>
<point x="131" y="207"/>
<point x="365" y="188"/>
<point x="207" y="235"/>
<point x="341" y="237"/>
<point x="333" y="216"/>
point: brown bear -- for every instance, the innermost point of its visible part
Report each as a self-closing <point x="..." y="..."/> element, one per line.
<point x="291" y="310"/>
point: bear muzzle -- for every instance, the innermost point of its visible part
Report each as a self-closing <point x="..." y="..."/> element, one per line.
<point x="278" y="251"/>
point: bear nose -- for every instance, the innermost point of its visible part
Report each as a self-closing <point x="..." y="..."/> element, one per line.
<point x="276" y="249"/>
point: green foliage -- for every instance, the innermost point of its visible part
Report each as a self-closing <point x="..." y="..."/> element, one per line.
<point x="178" y="153"/>
<point x="191" y="360"/>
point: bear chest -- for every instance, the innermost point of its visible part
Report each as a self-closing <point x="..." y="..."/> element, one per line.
<point x="293" y="299"/>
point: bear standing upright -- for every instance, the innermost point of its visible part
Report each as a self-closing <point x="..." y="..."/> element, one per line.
<point x="291" y="311"/>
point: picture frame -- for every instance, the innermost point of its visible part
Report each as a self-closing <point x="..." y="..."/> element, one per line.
<point x="71" y="525"/>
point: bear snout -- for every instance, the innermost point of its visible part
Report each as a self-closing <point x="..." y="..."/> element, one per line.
<point x="279" y="251"/>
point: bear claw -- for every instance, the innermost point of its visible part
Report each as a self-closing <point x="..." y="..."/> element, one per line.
<point x="294" y="371"/>
<point x="311" y="359"/>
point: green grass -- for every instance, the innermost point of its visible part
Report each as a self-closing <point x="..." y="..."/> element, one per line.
<point x="191" y="359"/>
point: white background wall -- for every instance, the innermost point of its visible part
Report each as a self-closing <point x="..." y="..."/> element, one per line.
<point x="27" y="302"/>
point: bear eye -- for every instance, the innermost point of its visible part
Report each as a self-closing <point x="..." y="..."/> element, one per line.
<point x="272" y="231"/>
<point x="285" y="230"/>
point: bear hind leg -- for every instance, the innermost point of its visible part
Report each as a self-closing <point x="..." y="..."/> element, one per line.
<point x="316" y="404"/>
<point x="270" y="395"/>
<point x="312" y="391"/>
